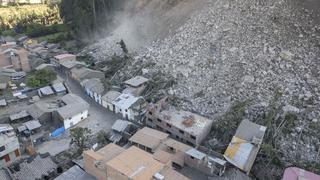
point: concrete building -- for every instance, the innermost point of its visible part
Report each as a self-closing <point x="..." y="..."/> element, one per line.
<point x="148" y="139"/>
<point x="135" y="85"/>
<point x="184" y="126"/>
<point x="9" y="145"/>
<point x="115" y="162"/>
<point x="59" y="59"/>
<point x="108" y="98"/>
<point x="210" y="165"/>
<point x="68" y="65"/>
<point x="74" y="111"/>
<point x="95" y="162"/>
<point x="245" y="145"/>
<point x="80" y="74"/>
<point x="131" y="107"/>
<point x="94" y="88"/>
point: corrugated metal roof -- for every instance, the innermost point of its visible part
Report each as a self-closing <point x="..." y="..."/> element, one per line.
<point x="5" y="127"/>
<point x="32" y="125"/>
<point x="120" y="125"/>
<point x="62" y="56"/>
<point x="58" y="87"/>
<point x="3" y="102"/>
<point x="196" y="154"/>
<point x="46" y="90"/>
<point x="36" y="169"/>
<point x="244" y="146"/>
<point x="136" y="81"/>
<point x="75" y="173"/>
<point x="19" y="115"/>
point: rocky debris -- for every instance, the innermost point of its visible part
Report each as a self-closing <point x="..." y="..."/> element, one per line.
<point x="233" y="51"/>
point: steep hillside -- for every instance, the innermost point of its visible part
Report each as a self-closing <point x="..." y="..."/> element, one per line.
<point x="236" y="59"/>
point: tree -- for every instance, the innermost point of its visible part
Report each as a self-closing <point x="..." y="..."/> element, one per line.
<point x="123" y="46"/>
<point x="102" y="137"/>
<point x="80" y="136"/>
<point x="41" y="78"/>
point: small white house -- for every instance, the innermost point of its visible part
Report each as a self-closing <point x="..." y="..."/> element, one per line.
<point x="94" y="88"/>
<point x="74" y="111"/>
<point x="129" y="106"/>
<point x="108" y="98"/>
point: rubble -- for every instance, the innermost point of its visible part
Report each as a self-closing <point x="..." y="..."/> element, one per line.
<point x="232" y="51"/>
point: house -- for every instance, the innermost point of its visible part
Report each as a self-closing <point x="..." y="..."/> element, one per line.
<point x="94" y="88"/>
<point x="20" y="60"/>
<point x="16" y="59"/>
<point x="135" y="163"/>
<point x="29" y="127"/>
<point x="245" y="145"/>
<point x="9" y="145"/>
<point x="122" y="130"/>
<point x="148" y="139"/>
<point x="115" y="162"/>
<point x="20" y="116"/>
<point x="131" y="107"/>
<point x="95" y="162"/>
<point x="74" y="111"/>
<point x="44" y="66"/>
<point x="68" y="65"/>
<point x="135" y="85"/>
<point x="59" y="59"/>
<point x="80" y="74"/>
<point x="175" y="150"/>
<point x="3" y="103"/>
<point x="294" y="173"/>
<point x="210" y="165"/>
<point x="177" y="154"/>
<point x="75" y="173"/>
<point x="59" y="88"/>
<point x="108" y="98"/>
<point x="184" y="126"/>
<point x="35" y="168"/>
<point x="45" y="91"/>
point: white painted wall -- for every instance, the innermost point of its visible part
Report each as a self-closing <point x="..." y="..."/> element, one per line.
<point x="75" y="119"/>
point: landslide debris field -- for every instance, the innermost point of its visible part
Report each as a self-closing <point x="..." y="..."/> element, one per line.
<point x="233" y="60"/>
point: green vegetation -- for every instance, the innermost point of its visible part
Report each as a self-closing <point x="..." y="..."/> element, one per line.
<point x="19" y="17"/>
<point x="85" y="17"/>
<point x="80" y="136"/>
<point x="102" y="137"/>
<point x="41" y="78"/>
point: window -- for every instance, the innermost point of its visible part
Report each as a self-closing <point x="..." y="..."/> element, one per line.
<point x="150" y="113"/>
<point x="182" y="132"/>
<point x="149" y="150"/>
<point x="159" y="120"/>
<point x="169" y="125"/>
<point x="2" y="148"/>
<point x="193" y="137"/>
<point x="168" y="132"/>
<point x="189" y="143"/>
<point x="126" y="110"/>
<point x="149" y="119"/>
<point x="191" y="157"/>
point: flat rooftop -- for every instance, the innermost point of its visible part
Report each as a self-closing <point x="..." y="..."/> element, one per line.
<point x="189" y="122"/>
<point x="136" y="164"/>
<point x="148" y="137"/>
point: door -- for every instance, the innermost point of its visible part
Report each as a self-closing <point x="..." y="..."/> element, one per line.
<point x="6" y="158"/>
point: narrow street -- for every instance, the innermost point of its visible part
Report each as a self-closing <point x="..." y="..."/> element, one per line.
<point x="99" y="119"/>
